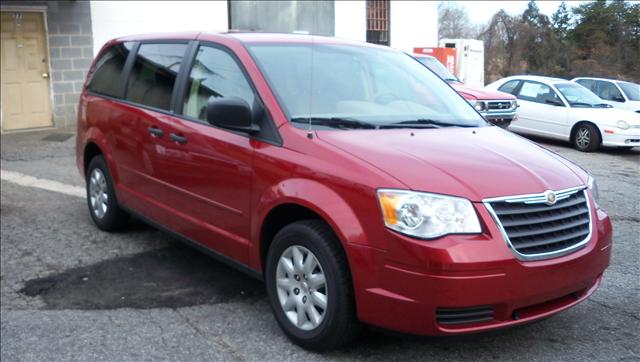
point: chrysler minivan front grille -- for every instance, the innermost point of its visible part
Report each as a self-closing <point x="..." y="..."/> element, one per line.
<point x="544" y="225"/>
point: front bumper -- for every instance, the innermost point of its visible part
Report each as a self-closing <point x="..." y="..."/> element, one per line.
<point x="613" y="136"/>
<point x="502" y="119"/>
<point x="407" y="287"/>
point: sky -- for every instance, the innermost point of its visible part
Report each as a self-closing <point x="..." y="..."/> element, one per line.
<point x="480" y="12"/>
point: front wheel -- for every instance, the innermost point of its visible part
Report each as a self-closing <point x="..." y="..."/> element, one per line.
<point x="309" y="286"/>
<point x="586" y="138"/>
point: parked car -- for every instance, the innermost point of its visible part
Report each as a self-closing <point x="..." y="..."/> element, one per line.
<point x="359" y="187"/>
<point x="498" y="108"/>
<point x="617" y="93"/>
<point x="557" y="108"/>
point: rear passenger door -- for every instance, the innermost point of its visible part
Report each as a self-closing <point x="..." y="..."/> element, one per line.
<point x="140" y="142"/>
<point x="208" y="171"/>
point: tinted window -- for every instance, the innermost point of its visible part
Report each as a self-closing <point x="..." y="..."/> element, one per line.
<point x="105" y="78"/>
<point x="608" y="91"/>
<point x="214" y="74"/>
<point x="509" y="87"/>
<point x="588" y="83"/>
<point x="539" y="93"/>
<point x="154" y="74"/>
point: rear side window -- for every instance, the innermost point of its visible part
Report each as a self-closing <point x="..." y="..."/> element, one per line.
<point x="214" y="74"/>
<point x="509" y="87"/>
<point x="154" y="74"/>
<point x="107" y="70"/>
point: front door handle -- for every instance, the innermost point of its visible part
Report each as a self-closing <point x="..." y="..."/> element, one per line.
<point x="155" y="132"/>
<point x="178" y="138"/>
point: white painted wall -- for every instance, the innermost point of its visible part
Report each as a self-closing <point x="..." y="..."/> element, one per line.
<point x="351" y="20"/>
<point x="414" y="24"/>
<point x="112" y="19"/>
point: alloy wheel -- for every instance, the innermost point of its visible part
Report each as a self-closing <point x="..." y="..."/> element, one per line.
<point x="301" y="287"/>
<point x="583" y="138"/>
<point x="98" y="193"/>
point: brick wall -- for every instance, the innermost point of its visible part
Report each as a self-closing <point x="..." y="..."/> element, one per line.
<point x="70" y="52"/>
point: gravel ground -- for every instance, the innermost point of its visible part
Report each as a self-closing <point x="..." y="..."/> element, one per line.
<point x="71" y="292"/>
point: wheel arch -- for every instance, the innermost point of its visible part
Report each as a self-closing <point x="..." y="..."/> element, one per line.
<point x="575" y="127"/>
<point x="298" y="199"/>
<point x="91" y="150"/>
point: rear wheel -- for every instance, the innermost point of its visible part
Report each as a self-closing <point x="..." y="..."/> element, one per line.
<point x="101" y="197"/>
<point x="309" y="286"/>
<point x="586" y="138"/>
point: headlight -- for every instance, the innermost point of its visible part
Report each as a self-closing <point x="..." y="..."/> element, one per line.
<point x="427" y="216"/>
<point x="514" y="105"/>
<point x="593" y="190"/>
<point x="623" y="125"/>
<point x="478" y="105"/>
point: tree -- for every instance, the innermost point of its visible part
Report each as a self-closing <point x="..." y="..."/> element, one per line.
<point x="561" y="20"/>
<point x="453" y="21"/>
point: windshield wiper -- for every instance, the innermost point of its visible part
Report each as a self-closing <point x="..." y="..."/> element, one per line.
<point x="421" y="123"/>
<point x="581" y="104"/>
<point x="603" y="105"/>
<point x="336" y="122"/>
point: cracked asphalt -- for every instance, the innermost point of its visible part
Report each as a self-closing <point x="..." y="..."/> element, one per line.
<point x="71" y="292"/>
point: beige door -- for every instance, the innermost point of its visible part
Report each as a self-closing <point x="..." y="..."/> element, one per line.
<point x="26" y="102"/>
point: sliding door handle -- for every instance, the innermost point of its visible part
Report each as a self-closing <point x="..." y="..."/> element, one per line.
<point x="178" y="138"/>
<point x="155" y="132"/>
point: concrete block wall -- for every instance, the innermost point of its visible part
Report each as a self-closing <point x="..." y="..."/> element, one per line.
<point x="71" y="53"/>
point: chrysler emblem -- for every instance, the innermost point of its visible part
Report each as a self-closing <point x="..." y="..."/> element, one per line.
<point x="550" y="197"/>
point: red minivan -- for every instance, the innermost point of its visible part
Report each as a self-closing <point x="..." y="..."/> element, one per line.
<point x="360" y="188"/>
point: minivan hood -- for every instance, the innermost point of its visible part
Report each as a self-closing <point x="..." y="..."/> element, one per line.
<point x="475" y="163"/>
<point x="470" y="92"/>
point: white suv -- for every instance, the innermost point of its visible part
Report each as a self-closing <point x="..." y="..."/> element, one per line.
<point x="618" y="93"/>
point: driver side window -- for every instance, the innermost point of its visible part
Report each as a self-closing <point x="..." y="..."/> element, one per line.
<point x="214" y="74"/>
<point x="608" y="91"/>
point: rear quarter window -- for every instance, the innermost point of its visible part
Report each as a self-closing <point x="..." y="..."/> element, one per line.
<point x="106" y="74"/>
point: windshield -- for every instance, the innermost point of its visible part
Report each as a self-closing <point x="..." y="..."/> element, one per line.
<point x="347" y="85"/>
<point x="437" y="67"/>
<point x="631" y="90"/>
<point x="579" y="96"/>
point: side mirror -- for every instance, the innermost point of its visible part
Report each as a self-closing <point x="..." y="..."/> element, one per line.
<point x="554" y="102"/>
<point x="618" y="99"/>
<point x="231" y="113"/>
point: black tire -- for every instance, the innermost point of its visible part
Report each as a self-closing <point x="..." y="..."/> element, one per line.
<point x="114" y="218"/>
<point x="340" y="325"/>
<point x="591" y="132"/>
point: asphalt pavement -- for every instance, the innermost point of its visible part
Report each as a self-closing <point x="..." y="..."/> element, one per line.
<point x="71" y="292"/>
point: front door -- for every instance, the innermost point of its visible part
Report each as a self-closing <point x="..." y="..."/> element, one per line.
<point x="209" y="171"/>
<point x="26" y="102"/>
<point x="541" y="111"/>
